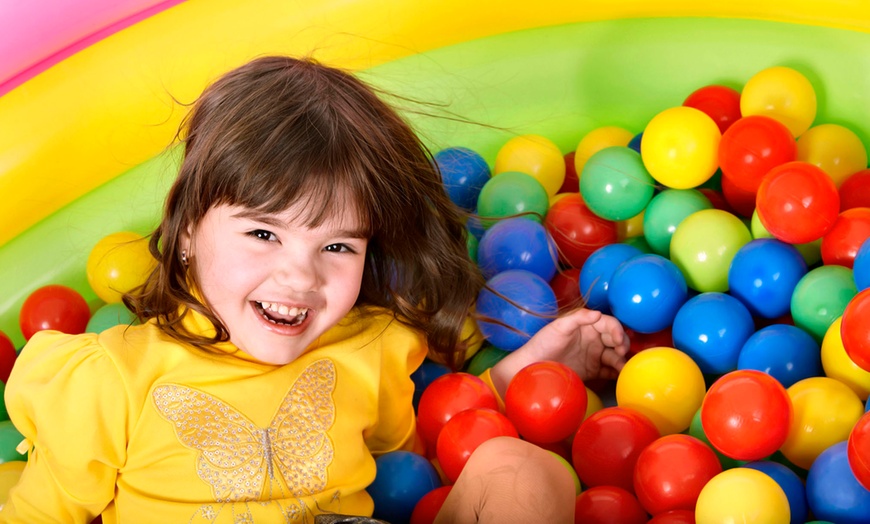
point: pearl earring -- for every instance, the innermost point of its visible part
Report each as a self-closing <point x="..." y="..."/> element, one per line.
<point x="184" y="261"/>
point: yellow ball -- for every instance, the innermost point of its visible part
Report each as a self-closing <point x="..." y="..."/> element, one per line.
<point x="596" y="140"/>
<point x="742" y="495"/>
<point x="593" y="403"/>
<point x="838" y="365"/>
<point x="536" y="156"/>
<point x="825" y="411"/>
<point x="664" y="384"/>
<point x="632" y="227"/>
<point x="835" y="149"/>
<point x="680" y="147"/>
<point x="783" y="94"/>
<point x="117" y="264"/>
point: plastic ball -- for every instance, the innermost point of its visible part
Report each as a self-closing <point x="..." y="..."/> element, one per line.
<point x="536" y="156"/>
<point x="855" y="329"/>
<point x="597" y="272"/>
<point x="666" y="211"/>
<point x="834" y="148"/>
<point x="671" y="472"/>
<point x="517" y="243"/>
<point x="8" y="355"/>
<point x="10" y="438"/>
<point x="743" y="495"/>
<point x="664" y="384"/>
<point x="546" y="402"/>
<point x="642" y="341"/>
<point x="402" y="479"/>
<point x="841" y="243"/>
<point x="712" y="328"/>
<point x="703" y="246"/>
<point x="606" y="446"/>
<point x="797" y="202"/>
<point x="596" y="140"/>
<point x="635" y="142"/>
<point x="791" y="485"/>
<point x="566" y="286"/>
<point x="429" y="505"/>
<point x="746" y="414"/>
<point x="720" y="103"/>
<point x="646" y="292"/>
<point x="677" y="516"/>
<point x="763" y="275"/>
<point x="833" y="492"/>
<point x="696" y="429"/>
<point x="783" y="94"/>
<point x="463" y="173"/>
<point x="615" y="184"/>
<point x="608" y="504"/>
<point x="117" y="264"/>
<point x="861" y="266"/>
<point x="448" y="395"/>
<point x="810" y="251"/>
<point x="577" y="231"/>
<point x="464" y="433"/>
<point x="825" y="411"/>
<point x="838" y="365"/>
<point x="631" y="227"/>
<point x="513" y="306"/>
<point x="740" y="201"/>
<point x="680" y="147"/>
<point x="424" y="375"/>
<point x="572" y="182"/>
<point x="820" y="297"/>
<point x="110" y="315"/>
<point x="753" y="146"/>
<point x="509" y="194"/>
<point x="54" y="307"/>
<point x="787" y="353"/>
<point x="858" y="451"/>
<point x="855" y="190"/>
<point x="487" y="357"/>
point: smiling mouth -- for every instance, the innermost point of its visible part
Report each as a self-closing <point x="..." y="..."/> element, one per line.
<point x="282" y="315"/>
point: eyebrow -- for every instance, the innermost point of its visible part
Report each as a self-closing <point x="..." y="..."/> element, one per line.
<point x="270" y="220"/>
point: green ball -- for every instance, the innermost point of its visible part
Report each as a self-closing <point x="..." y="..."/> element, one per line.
<point x="485" y="358"/>
<point x="9" y="440"/>
<point x="665" y="212"/>
<point x="640" y="243"/>
<point x="110" y="315"/>
<point x="820" y="297"/>
<point x="703" y="246"/>
<point x="811" y="251"/>
<point x="471" y="244"/>
<point x="615" y="184"/>
<point x="509" y="194"/>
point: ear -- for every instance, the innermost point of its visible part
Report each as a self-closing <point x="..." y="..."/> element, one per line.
<point x="185" y="241"/>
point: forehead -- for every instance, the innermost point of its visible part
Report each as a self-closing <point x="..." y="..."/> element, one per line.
<point x="299" y="215"/>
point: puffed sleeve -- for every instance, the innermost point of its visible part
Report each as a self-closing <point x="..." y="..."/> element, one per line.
<point x="66" y="396"/>
<point x="403" y="351"/>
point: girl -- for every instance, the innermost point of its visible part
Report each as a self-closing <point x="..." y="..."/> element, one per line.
<point x="308" y="258"/>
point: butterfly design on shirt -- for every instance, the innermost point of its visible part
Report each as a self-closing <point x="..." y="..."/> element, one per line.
<point x="236" y="457"/>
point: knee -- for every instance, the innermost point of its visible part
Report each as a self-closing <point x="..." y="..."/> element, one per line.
<point x="516" y="461"/>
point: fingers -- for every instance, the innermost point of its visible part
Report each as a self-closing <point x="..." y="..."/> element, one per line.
<point x="612" y="359"/>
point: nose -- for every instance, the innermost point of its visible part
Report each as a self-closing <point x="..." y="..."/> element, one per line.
<point x="297" y="271"/>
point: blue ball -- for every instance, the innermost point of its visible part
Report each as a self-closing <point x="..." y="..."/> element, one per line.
<point x="790" y="483"/>
<point x="712" y="328"/>
<point x="833" y="492"/>
<point x="517" y="304"/>
<point x="646" y="292"/>
<point x="424" y="375"/>
<point x="464" y="173"/>
<point x="787" y="353"/>
<point x="517" y="243"/>
<point x="635" y="142"/>
<point x="861" y="266"/>
<point x="402" y="479"/>
<point x="597" y="271"/>
<point x="763" y="275"/>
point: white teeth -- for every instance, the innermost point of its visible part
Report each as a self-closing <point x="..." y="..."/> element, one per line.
<point x="281" y="309"/>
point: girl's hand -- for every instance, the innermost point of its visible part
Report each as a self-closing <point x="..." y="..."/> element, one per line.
<point x="592" y="344"/>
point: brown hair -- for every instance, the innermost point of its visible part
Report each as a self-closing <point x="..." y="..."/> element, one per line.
<point x="280" y="130"/>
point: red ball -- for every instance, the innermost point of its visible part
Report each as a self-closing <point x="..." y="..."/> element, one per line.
<point x="640" y="341"/>
<point x="7" y="356"/>
<point x="577" y="231"/>
<point x="463" y="433"/>
<point x="671" y="472"/>
<point x="677" y="516"/>
<point x="842" y="242"/>
<point x="742" y="202"/>
<point x="797" y="202"/>
<point x="572" y="182"/>
<point x="566" y="286"/>
<point x="855" y="329"/>
<point x="608" y="505"/>
<point x="718" y="200"/>
<point x="746" y="414"/>
<point x="427" y="508"/>
<point x="546" y="401"/>
<point x="855" y="190"/>
<point x="446" y="396"/>
<point x="753" y="146"/>
<point x="720" y="103"/>
<point x="54" y="307"/>
<point x="858" y="450"/>
<point x="607" y="444"/>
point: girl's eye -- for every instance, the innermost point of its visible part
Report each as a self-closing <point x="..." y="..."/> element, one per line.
<point x="262" y="234"/>
<point x="339" y="248"/>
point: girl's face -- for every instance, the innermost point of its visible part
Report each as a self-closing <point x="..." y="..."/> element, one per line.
<point x="276" y="284"/>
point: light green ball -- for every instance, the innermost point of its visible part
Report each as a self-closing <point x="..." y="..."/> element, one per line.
<point x="703" y="246"/>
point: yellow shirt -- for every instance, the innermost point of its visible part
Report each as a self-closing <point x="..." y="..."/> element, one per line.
<point x="140" y="428"/>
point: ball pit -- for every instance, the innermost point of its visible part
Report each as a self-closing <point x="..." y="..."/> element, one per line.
<point x="743" y="495"/>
